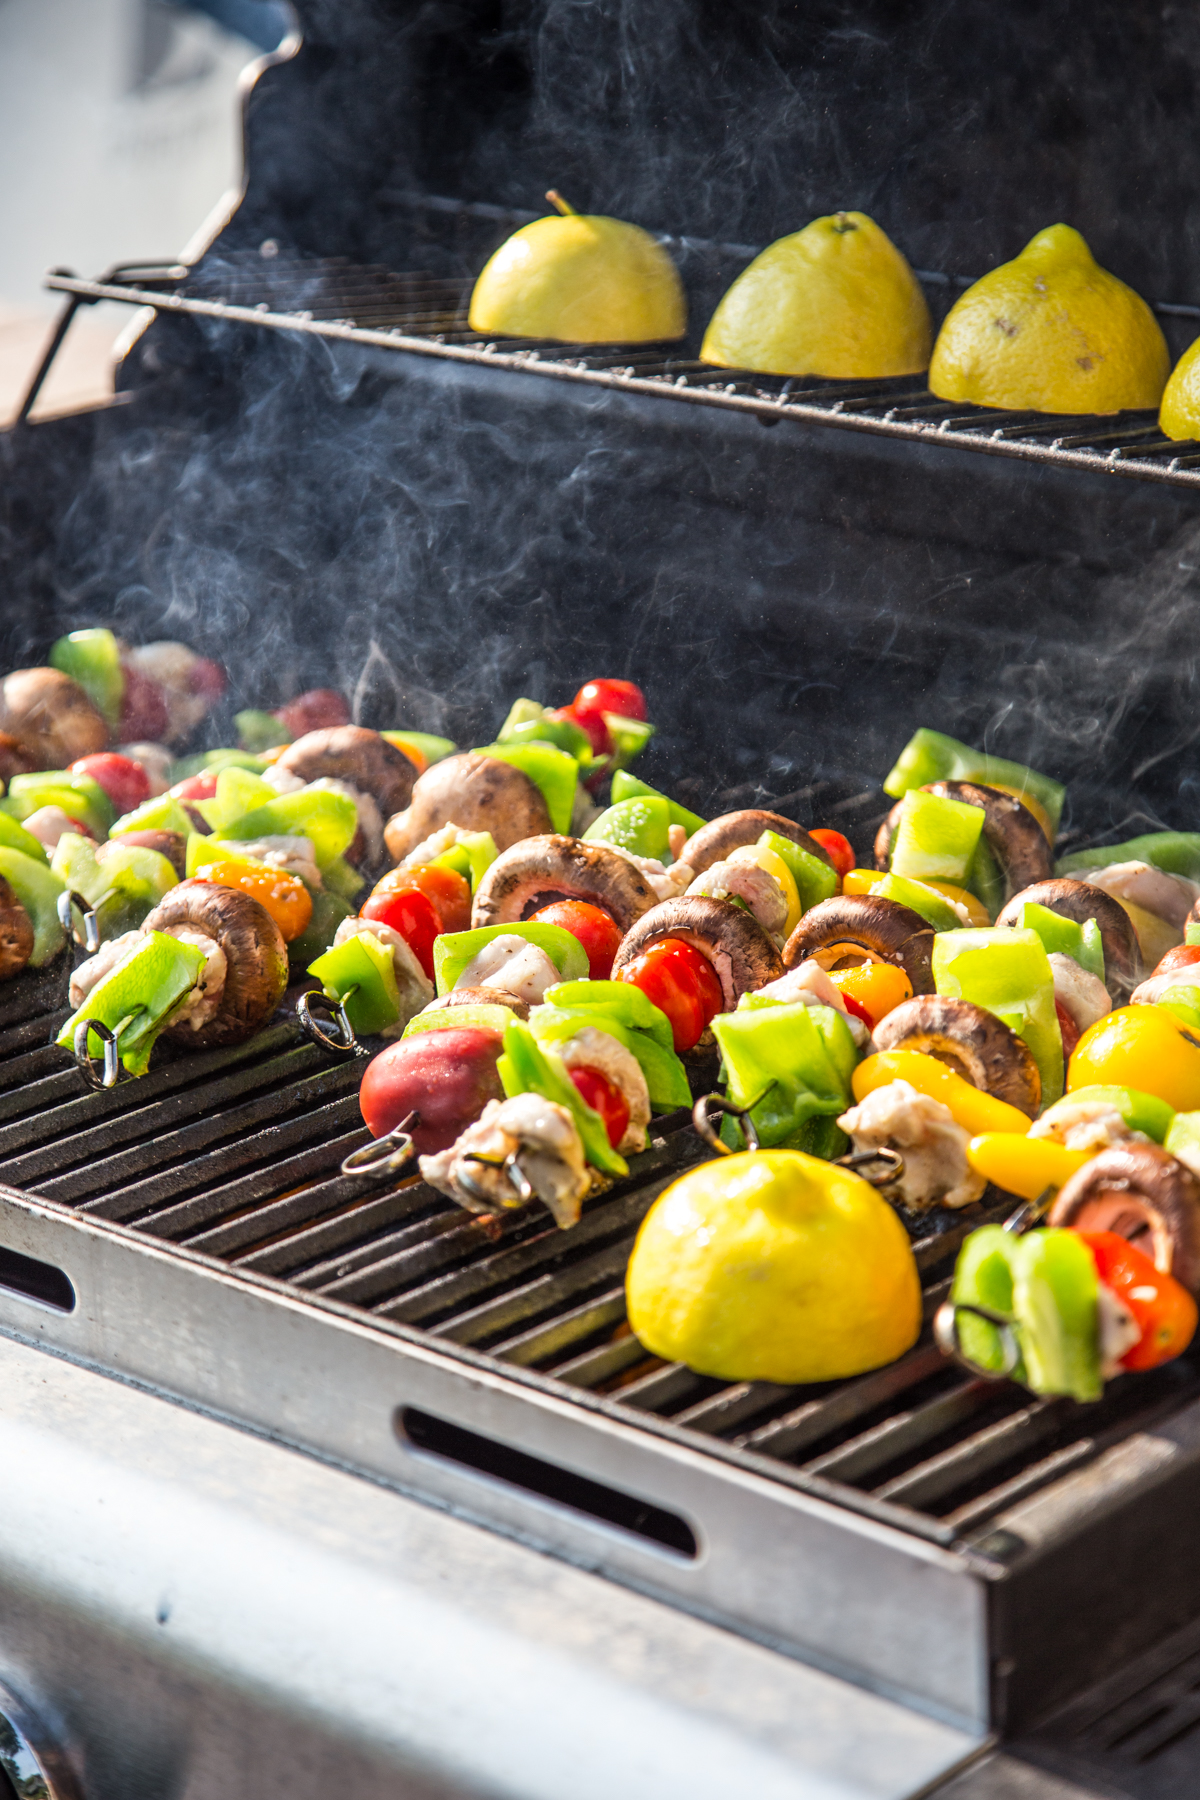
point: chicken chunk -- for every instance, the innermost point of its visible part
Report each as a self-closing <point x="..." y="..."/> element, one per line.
<point x="925" y="1133"/>
<point x="540" y="1135"/>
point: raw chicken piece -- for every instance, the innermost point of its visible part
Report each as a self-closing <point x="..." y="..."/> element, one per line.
<point x="932" y="1143"/>
<point x="541" y="1135"/>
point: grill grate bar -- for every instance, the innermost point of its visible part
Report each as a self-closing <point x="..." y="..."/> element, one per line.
<point x="819" y="1418"/>
<point x="535" y="1297"/>
<point x="593" y="1367"/>
<point x="1038" y="1475"/>
<point x="733" y="1406"/>
<point x="36" y="1032"/>
<point x="662" y="1388"/>
<point x="930" y="1481"/>
<point x="904" y="1432"/>
<point x="568" y="1329"/>
<point x="356" y="1220"/>
<point x="238" y="1203"/>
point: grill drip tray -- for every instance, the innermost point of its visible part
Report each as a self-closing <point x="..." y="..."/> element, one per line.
<point x="930" y="1535"/>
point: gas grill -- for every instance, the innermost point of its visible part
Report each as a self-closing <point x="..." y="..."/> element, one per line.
<point x="314" y="470"/>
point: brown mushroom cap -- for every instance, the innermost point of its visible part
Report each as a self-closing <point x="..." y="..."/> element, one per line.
<point x="13" y="759"/>
<point x="1011" y="831"/>
<point x="168" y="843"/>
<point x="1080" y="901"/>
<point x="742" y="955"/>
<point x="852" y="928"/>
<point x="16" y="933"/>
<point x="714" y="841"/>
<point x="1146" y="1195"/>
<point x="975" y="1043"/>
<point x="51" y="717"/>
<point x="476" y="793"/>
<point x="256" y="957"/>
<point x="479" y="996"/>
<point x="540" y="870"/>
<point x="359" y="757"/>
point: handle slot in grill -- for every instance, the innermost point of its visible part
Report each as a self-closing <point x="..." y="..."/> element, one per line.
<point x="438" y="1437"/>
<point x="34" y="1280"/>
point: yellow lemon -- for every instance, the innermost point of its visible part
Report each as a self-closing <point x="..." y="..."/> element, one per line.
<point x="773" y="1266"/>
<point x="1179" y="414"/>
<point x="582" y="279"/>
<point x="1051" y="331"/>
<point x="835" y="299"/>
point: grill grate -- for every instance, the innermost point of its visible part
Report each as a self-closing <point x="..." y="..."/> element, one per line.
<point x="425" y="314"/>
<point x="234" y="1155"/>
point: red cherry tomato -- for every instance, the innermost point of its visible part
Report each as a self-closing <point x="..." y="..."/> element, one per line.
<point x="1161" y="1305"/>
<point x="681" y="983"/>
<point x="595" y="698"/>
<point x="603" y="1097"/>
<point x="449" y="891"/>
<point x="314" y="711"/>
<point x="144" y="715"/>
<point x="413" y="915"/>
<point x="858" y="1010"/>
<point x="196" y="787"/>
<point x="838" y="849"/>
<point x="125" y="782"/>
<point x="1182" y="956"/>
<point x="599" y="934"/>
<point x="1068" y="1029"/>
<point x="447" y="1076"/>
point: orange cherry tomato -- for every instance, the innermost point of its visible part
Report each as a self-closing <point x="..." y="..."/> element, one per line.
<point x="681" y="982"/>
<point x="837" y="848"/>
<point x="1161" y="1305"/>
<point x="284" y="896"/>
<point x="604" y="1097"/>
<point x="872" y="990"/>
<point x="449" y="892"/>
<point x="413" y="915"/>
<point x="595" y="930"/>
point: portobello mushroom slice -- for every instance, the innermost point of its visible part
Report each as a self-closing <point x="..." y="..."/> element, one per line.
<point x="1080" y="901"/>
<point x="1146" y="1195"/>
<point x="16" y="933"/>
<point x="1010" y="830"/>
<point x="13" y="759"/>
<point x="480" y="996"/>
<point x="742" y="955"/>
<point x="51" y="718"/>
<point x="243" y="994"/>
<point x="540" y="870"/>
<point x="476" y="793"/>
<point x="714" y="841"/>
<point x="359" y="758"/>
<point x="975" y="1043"/>
<point x="171" y="844"/>
<point x="857" y="928"/>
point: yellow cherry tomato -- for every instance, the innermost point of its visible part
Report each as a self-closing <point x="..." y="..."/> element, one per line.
<point x="860" y="881"/>
<point x="1024" y="1165"/>
<point x="1143" y="1047"/>
<point x="974" y="1110"/>
<point x="284" y="896"/>
<point x="977" y="912"/>
<point x="878" y="987"/>
<point x="757" y="856"/>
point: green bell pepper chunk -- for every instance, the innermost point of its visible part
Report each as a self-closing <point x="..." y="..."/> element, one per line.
<point x="1184" y="1002"/>
<point x="629" y="738"/>
<point x="936" y="838"/>
<point x="932" y="756"/>
<point x="471" y="857"/>
<point x="1006" y="972"/>
<point x="122" y="882"/>
<point x="327" y="819"/>
<point x="815" y="880"/>
<point x="984" y="1276"/>
<point x="15" y="837"/>
<point x="528" y="722"/>
<point x="37" y="888"/>
<point x="933" y="907"/>
<point x="365" y="964"/>
<point x="1191" y="932"/>
<point x="136" y="998"/>
<point x="160" y="814"/>
<point x="571" y="1006"/>
<point x="1083" y="943"/>
<point x="238" y="792"/>
<point x="788" y="1064"/>
<point x="1183" y="1138"/>
<point x="1141" y="1112"/>
<point x="453" y="950"/>
<point x="460" y="1018"/>
<point x="525" y="1068"/>
<point x="79" y="796"/>
<point x="1056" y="1299"/>
<point x="1175" y="852"/>
<point x="216" y="760"/>
<point x="552" y="771"/>
<point x="984" y="879"/>
<point x="433" y="749"/>
<point x="342" y="878"/>
<point x="93" y="659"/>
<point x="328" y="911"/>
<point x="260" y="730"/>
<point x="627" y="787"/>
<point x="638" y="825"/>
